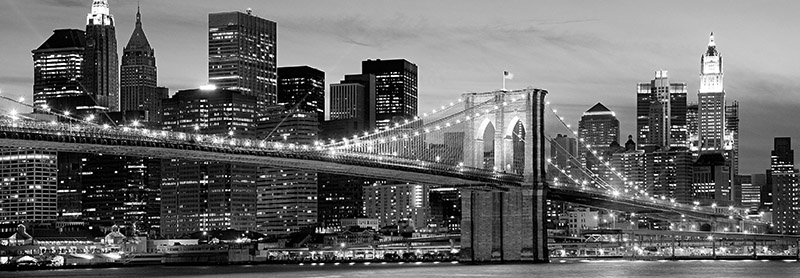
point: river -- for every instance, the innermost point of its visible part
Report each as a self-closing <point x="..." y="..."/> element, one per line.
<point x="559" y="269"/>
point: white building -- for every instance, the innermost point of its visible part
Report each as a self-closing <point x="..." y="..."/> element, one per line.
<point x="390" y="203"/>
<point x="28" y="187"/>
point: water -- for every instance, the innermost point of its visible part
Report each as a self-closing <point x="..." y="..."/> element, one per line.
<point x="704" y="269"/>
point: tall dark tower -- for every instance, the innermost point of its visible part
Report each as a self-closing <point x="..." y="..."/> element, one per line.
<point x="395" y="89"/>
<point x="138" y="76"/>
<point x="101" y="63"/>
<point x="242" y="55"/>
<point x="58" y="66"/>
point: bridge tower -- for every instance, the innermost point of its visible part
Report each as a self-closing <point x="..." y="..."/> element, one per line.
<point x="506" y="225"/>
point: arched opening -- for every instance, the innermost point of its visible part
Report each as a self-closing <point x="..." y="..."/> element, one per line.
<point x="488" y="147"/>
<point x="518" y="148"/>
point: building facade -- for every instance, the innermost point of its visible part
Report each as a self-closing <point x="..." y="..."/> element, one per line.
<point x="205" y="195"/>
<point x="139" y="77"/>
<point x="303" y="88"/>
<point x="785" y="187"/>
<point x="391" y="203"/>
<point x="711" y="96"/>
<point x="661" y="113"/>
<point x="101" y="62"/>
<point x="395" y="89"/>
<point x="58" y="67"/>
<point x="242" y="55"/>
<point x="28" y="187"/>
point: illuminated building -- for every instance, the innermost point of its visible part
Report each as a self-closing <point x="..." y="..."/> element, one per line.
<point x="395" y="89"/>
<point x="661" y="113"/>
<point x="711" y="124"/>
<point x="669" y="174"/>
<point x="205" y="195"/>
<point x="350" y="107"/>
<point x="287" y="198"/>
<point x="711" y="180"/>
<point x="242" y="55"/>
<point x="390" y="203"/>
<point x="138" y="76"/>
<point x="599" y="128"/>
<point x="303" y="88"/>
<point x="58" y="66"/>
<point x="785" y="187"/>
<point x="101" y="62"/>
<point x="28" y="188"/>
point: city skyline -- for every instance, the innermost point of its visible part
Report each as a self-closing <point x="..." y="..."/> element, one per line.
<point x="575" y="42"/>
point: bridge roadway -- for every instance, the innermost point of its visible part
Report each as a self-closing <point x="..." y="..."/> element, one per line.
<point x="175" y="145"/>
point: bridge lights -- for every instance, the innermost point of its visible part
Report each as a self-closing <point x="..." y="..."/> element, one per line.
<point x="66" y="112"/>
<point x="714" y="205"/>
<point x="21" y="99"/>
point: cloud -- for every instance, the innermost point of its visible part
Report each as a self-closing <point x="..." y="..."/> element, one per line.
<point x="66" y="3"/>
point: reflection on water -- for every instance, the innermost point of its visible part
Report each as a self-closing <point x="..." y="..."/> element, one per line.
<point x="560" y="268"/>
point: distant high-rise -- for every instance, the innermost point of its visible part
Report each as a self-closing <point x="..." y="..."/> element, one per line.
<point x="711" y="128"/>
<point x="138" y="76"/>
<point x="784" y="183"/>
<point x="711" y="180"/>
<point x="101" y="62"/>
<point x="395" y="89"/>
<point x="732" y="135"/>
<point x="58" y="66"/>
<point x="302" y="87"/>
<point x="599" y="127"/>
<point x="286" y="198"/>
<point x="391" y="203"/>
<point x="27" y="185"/>
<point x="661" y="113"/>
<point x="242" y="55"/>
<point x="669" y="174"/>
<point x="206" y="195"/>
<point x="350" y="106"/>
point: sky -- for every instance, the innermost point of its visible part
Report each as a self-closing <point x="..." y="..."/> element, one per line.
<point x="582" y="52"/>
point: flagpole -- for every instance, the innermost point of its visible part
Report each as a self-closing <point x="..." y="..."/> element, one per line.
<point x="504" y="81"/>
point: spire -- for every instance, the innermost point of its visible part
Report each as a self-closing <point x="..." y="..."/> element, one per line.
<point x="138" y="15"/>
<point x="100" y="15"/>
<point x="138" y="40"/>
<point x="711" y="40"/>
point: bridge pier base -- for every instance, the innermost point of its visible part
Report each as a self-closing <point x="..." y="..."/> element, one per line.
<point x="500" y="227"/>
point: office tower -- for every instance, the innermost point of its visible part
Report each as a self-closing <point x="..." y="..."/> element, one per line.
<point x="711" y="96"/>
<point x="669" y="174"/>
<point x="751" y="191"/>
<point x="28" y="188"/>
<point x="631" y="165"/>
<point x="138" y="76"/>
<point x="599" y="129"/>
<point x="210" y="111"/>
<point x="287" y="198"/>
<point x="339" y="197"/>
<point x="242" y="55"/>
<point x="101" y="63"/>
<point x="692" y="124"/>
<point x="303" y="88"/>
<point x="732" y="136"/>
<point x="205" y="195"/>
<point x="564" y="153"/>
<point x="391" y="203"/>
<point x="711" y="180"/>
<point x="350" y="107"/>
<point x="445" y="209"/>
<point x="70" y="187"/>
<point x="122" y="191"/>
<point x="785" y="194"/>
<point x="58" y="66"/>
<point x="395" y="89"/>
<point x="661" y="113"/>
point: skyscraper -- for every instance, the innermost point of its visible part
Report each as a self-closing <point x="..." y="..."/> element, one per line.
<point x="287" y="198"/>
<point x="242" y="55"/>
<point x="599" y="128"/>
<point x="58" y="66"/>
<point x="785" y="194"/>
<point x="27" y="185"/>
<point x="303" y="87"/>
<point x="395" y="89"/>
<point x="661" y="113"/>
<point x="205" y="195"/>
<point x="350" y="106"/>
<point x="732" y="135"/>
<point x="711" y="128"/>
<point x="101" y="62"/>
<point x="138" y="76"/>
